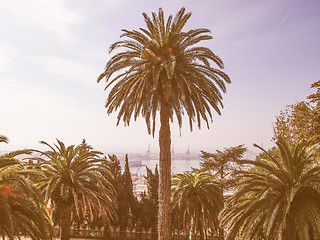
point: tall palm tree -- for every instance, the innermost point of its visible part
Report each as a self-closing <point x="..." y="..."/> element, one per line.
<point x="196" y="202"/>
<point x="73" y="176"/>
<point x="163" y="69"/>
<point x="21" y="209"/>
<point x="279" y="198"/>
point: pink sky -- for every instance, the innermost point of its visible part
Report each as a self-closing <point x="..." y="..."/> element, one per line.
<point x="53" y="51"/>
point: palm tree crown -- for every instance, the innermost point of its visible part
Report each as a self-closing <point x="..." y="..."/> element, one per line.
<point x="163" y="64"/>
<point x="279" y="198"/>
<point x="196" y="202"/>
<point x="21" y="207"/>
<point x="74" y="176"/>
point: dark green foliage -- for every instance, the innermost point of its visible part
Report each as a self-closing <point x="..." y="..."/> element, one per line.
<point x="127" y="204"/>
<point x="126" y="199"/>
<point x="145" y="209"/>
<point x="300" y="120"/>
<point x="75" y="179"/>
<point x="116" y="180"/>
<point x="115" y="170"/>
<point x="148" y="212"/>
<point x="222" y="163"/>
<point x="69" y="173"/>
<point x="127" y="183"/>
<point x="152" y="199"/>
<point x="315" y="97"/>
<point x="196" y="202"/>
<point x="22" y="210"/>
<point x="279" y="198"/>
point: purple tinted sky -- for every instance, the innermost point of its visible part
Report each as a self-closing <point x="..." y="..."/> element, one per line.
<point x="53" y="51"/>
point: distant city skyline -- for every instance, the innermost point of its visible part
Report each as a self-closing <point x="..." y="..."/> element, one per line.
<point x="53" y="51"/>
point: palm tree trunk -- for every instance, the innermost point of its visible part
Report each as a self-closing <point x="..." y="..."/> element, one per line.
<point x="65" y="221"/>
<point x="221" y="233"/>
<point x="164" y="231"/>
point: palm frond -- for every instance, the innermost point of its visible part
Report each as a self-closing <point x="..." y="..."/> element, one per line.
<point x="164" y="64"/>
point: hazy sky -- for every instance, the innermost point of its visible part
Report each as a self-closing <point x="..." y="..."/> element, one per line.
<point x="52" y="51"/>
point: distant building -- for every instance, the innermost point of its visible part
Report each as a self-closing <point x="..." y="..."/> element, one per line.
<point x="139" y="184"/>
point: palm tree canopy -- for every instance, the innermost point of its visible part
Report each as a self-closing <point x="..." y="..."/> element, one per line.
<point x="163" y="64"/>
<point x="196" y="201"/>
<point x="75" y="175"/>
<point x="22" y="210"/>
<point x="279" y="197"/>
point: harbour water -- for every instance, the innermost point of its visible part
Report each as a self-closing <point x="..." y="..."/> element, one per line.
<point x="179" y="162"/>
<point x="177" y="166"/>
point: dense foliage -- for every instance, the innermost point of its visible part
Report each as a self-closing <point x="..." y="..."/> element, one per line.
<point x="223" y="164"/>
<point x="196" y="202"/>
<point x="22" y="210"/>
<point x="73" y="176"/>
<point x="279" y="198"/>
<point x="300" y="120"/>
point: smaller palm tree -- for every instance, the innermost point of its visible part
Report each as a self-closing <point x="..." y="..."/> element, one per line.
<point x="279" y="198"/>
<point x="21" y="208"/>
<point x="196" y="202"/>
<point x="73" y="177"/>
